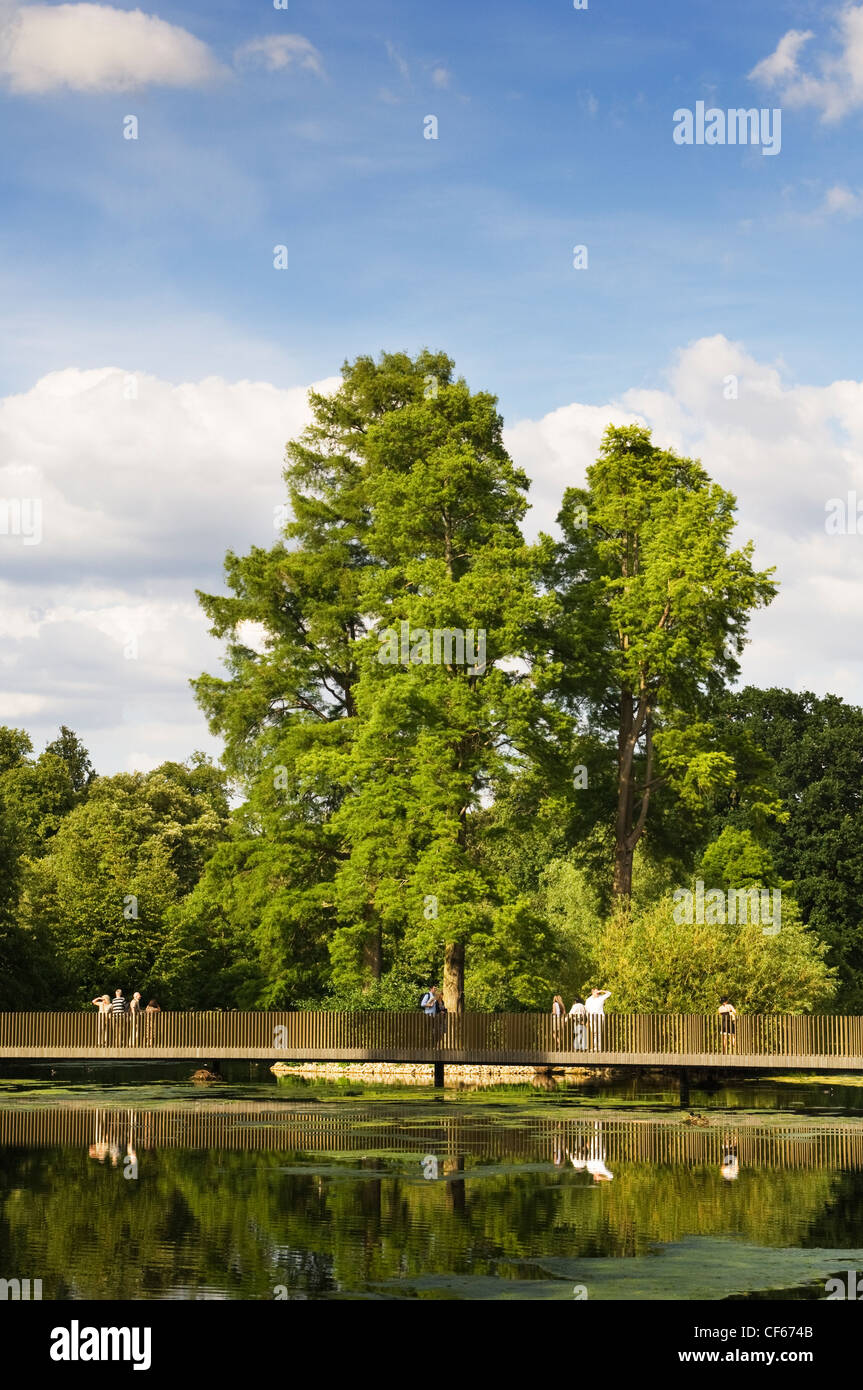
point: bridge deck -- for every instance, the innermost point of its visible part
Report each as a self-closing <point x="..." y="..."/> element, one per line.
<point x="712" y="1060"/>
<point x="769" y="1041"/>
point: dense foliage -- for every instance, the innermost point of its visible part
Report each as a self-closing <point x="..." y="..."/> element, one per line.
<point x="456" y="756"/>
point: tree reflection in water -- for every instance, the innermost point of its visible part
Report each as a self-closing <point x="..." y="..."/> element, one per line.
<point x="237" y="1198"/>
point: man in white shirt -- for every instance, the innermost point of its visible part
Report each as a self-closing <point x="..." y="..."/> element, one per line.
<point x="595" y="1010"/>
<point x="578" y="1013"/>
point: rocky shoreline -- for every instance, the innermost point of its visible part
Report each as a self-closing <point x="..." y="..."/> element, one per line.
<point x="422" y="1073"/>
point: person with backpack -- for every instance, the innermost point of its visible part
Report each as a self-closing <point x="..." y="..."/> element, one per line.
<point x="428" y="1003"/>
<point x="439" y="1012"/>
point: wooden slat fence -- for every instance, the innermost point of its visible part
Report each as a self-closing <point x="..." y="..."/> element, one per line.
<point x="832" y="1042"/>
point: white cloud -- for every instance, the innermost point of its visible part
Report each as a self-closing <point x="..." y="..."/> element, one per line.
<point x="16" y="707"/>
<point x="131" y="470"/>
<point x="398" y="61"/>
<point x="96" y="48"/>
<point x="144" y="485"/>
<point x="781" y="65"/>
<point x="441" y="77"/>
<point x="841" y="200"/>
<point x="276" y="52"/>
<point x="835" y="87"/>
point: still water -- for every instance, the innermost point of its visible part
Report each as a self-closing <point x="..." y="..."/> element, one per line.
<point x="112" y="1187"/>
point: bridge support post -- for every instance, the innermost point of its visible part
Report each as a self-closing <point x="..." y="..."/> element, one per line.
<point x="438" y="1074"/>
<point x="684" y="1086"/>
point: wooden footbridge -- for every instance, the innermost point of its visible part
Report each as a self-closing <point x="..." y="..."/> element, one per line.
<point x="766" y="1042"/>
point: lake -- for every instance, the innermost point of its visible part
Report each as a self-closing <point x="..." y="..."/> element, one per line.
<point x="116" y="1186"/>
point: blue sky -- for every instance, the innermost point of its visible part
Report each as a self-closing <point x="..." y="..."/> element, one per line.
<point x="152" y="260"/>
<point x="554" y="129"/>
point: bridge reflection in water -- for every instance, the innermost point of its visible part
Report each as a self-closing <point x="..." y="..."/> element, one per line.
<point x="260" y="1198"/>
<point x="115" y="1134"/>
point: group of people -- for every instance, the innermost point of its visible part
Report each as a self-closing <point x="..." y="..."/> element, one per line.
<point x="111" y="1011"/>
<point x="589" y="1015"/>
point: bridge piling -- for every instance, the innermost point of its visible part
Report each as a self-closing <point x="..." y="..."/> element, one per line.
<point x="684" y="1086"/>
<point x="438" y="1074"/>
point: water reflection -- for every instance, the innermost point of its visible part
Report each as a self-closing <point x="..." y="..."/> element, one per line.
<point x="587" y="1154"/>
<point x="730" y="1162"/>
<point x="113" y="1129"/>
<point x="237" y="1199"/>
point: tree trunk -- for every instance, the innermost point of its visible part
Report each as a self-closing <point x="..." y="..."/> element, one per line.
<point x="623" y="857"/>
<point x="623" y="822"/>
<point x="372" y="953"/>
<point x="629" y="827"/>
<point x="453" y="977"/>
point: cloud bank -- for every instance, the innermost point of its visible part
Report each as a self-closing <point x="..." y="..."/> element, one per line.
<point x="96" y="48"/>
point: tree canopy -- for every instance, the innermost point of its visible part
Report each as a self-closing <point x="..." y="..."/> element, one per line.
<point x="453" y="756"/>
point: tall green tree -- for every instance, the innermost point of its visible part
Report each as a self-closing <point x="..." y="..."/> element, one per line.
<point x="287" y="707"/>
<point x="449" y="688"/>
<point x="656" y="604"/>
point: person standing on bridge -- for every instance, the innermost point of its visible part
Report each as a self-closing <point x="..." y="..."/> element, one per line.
<point x="578" y="1014"/>
<point x="595" y="1010"/>
<point x="558" y="1014"/>
<point x="439" y="1012"/>
<point x="119" y="1008"/>
<point x="103" y="1004"/>
<point x="150" y="1013"/>
<point x="727" y="1024"/>
<point x="134" y="1015"/>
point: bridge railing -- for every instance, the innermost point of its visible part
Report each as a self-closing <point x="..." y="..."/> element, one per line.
<point x="405" y="1036"/>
